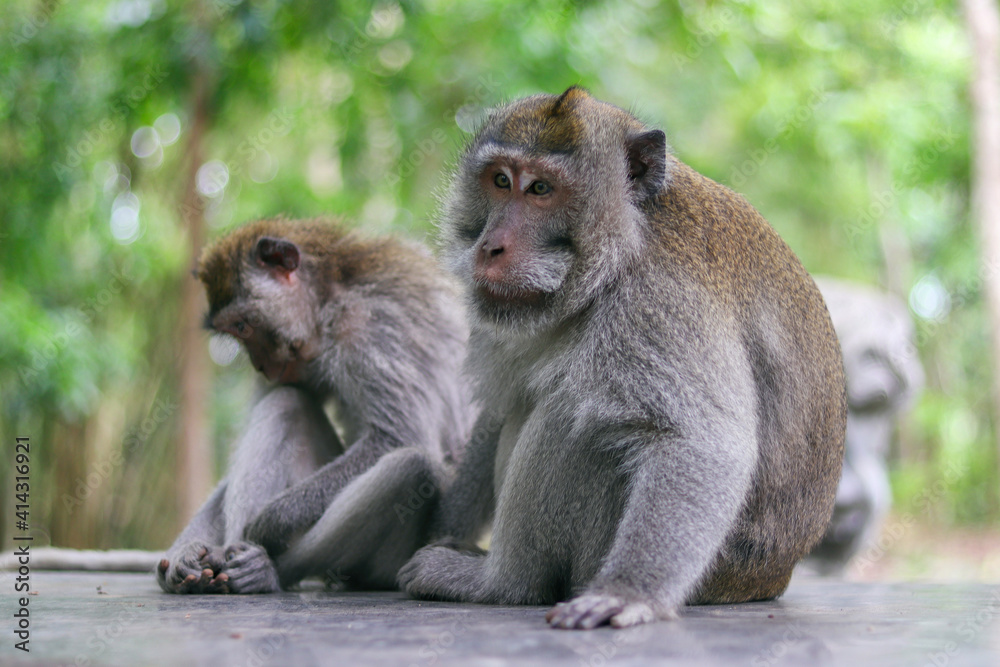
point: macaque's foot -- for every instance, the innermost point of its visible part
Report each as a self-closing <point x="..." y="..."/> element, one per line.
<point x="444" y="571"/>
<point x="194" y="569"/>
<point x="249" y="569"/>
<point x="591" y="610"/>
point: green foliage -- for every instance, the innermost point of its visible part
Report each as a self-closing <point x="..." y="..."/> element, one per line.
<point x="844" y="123"/>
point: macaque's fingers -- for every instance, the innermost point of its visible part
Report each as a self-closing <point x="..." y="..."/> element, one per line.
<point x="249" y="569"/>
<point x="196" y="583"/>
<point x="219" y="584"/>
<point x="585" y="612"/>
<point x="214" y="559"/>
<point x="187" y="585"/>
<point x="589" y="611"/>
<point x="636" y="613"/>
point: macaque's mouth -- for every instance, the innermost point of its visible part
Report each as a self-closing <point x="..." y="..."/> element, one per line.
<point x="503" y="294"/>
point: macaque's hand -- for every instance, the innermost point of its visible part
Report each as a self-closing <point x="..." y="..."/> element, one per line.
<point x="195" y="568"/>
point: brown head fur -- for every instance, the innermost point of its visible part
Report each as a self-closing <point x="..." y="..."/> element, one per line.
<point x="222" y="263"/>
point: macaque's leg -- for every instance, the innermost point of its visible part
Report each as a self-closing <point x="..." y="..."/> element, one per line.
<point x="372" y="526"/>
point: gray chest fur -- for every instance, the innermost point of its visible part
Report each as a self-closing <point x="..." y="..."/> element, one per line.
<point x="509" y="436"/>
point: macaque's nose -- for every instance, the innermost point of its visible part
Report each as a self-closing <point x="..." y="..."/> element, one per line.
<point x="495" y="248"/>
<point x="490" y="251"/>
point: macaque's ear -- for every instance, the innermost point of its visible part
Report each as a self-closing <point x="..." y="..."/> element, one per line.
<point x="278" y="254"/>
<point x="647" y="162"/>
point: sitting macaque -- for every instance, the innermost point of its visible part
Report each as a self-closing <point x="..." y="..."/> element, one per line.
<point x="663" y="390"/>
<point x="373" y="327"/>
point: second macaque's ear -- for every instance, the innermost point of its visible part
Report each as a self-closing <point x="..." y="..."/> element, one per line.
<point x="278" y="255"/>
<point x="647" y="162"/>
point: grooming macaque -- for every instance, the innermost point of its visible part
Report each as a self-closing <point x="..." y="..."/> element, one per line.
<point x="667" y="383"/>
<point x="884" y="376"/>
<point x="376" y="328"/>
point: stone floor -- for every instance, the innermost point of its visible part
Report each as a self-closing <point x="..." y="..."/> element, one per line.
<point x="123" y="619"/>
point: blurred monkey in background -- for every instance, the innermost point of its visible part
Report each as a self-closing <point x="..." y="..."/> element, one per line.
<point x="373" y="327"/>
<point x="884" y="377"/>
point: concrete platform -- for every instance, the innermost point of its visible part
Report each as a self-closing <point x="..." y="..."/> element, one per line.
<point x="123" y="619"/>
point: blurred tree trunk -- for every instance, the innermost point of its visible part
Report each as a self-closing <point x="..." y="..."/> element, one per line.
<point x="194" y="460"/>
<point x="983" y="22"/>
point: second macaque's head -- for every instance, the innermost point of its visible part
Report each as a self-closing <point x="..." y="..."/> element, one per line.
<point x="257" y="279"/>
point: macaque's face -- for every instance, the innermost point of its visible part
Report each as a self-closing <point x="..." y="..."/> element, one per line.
<point x="521" y="256"/>
<point x="543" y="208"/>
<point x="264" y="303"/>
<point x="280" y="360"/>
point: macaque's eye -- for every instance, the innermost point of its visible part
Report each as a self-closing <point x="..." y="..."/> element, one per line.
<point x="539" y="188"/>
<point x="242" y="329"/>
<point x="501" y="180"/>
